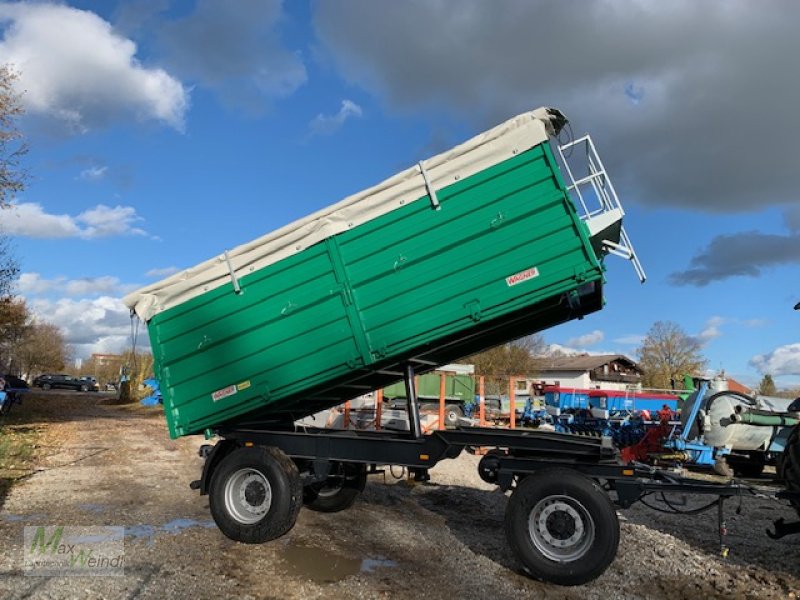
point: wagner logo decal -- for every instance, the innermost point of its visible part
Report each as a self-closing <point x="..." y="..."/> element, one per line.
<point x="223" y="393"/>
<point x="522" y="276"/>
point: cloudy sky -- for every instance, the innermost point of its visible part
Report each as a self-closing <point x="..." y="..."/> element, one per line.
<point x="163" y="132"/>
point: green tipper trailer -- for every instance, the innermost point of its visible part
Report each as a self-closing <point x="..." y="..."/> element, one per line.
<point x="482" y="244"/>
<point x="469" y="249"/>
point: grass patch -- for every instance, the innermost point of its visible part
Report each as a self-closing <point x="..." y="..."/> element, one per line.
<point x="18" y="444"/>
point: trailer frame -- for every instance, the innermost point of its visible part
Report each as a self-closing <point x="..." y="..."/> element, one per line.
<point x="585" y="463"/>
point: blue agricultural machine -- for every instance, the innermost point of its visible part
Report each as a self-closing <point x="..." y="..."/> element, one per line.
<point x="623" y="416"/>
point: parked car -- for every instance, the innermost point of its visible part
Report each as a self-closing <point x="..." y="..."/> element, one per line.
<point x="63" y="381"/>
<point x="91" y="382"/>
<point x="15" y="383"/>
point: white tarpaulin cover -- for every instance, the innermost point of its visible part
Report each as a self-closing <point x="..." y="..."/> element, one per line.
<point x="477" y="154"/>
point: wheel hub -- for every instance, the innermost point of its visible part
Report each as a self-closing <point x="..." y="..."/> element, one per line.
<point x="561" y="528"/>
<point x="248" y="495"/>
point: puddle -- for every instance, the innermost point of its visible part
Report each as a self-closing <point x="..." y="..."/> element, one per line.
<point x="324" y="566"/>
<point x="15" y="518"/>
<point x="21" y="518"/>
<point x="137" y="532"/>
<point x="368" y="565"/>
<point x="177" y="525"/>
<point x="148" y="532"/>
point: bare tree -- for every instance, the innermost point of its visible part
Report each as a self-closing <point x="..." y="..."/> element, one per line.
<point x="668" y="353"/>
<point x="520" y="357"/>
<point x="12" y="144"/>
<point x="43" y="349"/>
<point x="14" y="327"/>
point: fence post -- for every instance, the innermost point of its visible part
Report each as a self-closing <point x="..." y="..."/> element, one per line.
<point x="512" y="402"/>
<point x="378" y="409"/>
<point x="442" y="392"/>
<point x="481" y="401"/>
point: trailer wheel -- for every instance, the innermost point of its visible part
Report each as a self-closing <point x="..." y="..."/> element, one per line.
<point x="255" y="494"/>
<point x="789" y="469"/>
<point x="452" y="413"/>
<point x="562" y="526"/>
<point x="338" y="491"/>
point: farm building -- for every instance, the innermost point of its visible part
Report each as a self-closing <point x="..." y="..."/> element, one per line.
<point x="605" y="371"/>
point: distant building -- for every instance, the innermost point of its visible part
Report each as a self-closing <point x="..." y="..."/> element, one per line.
<point x="735" y="386"/>
<point x="102" y="360"/>
<point x="604" y="371"/>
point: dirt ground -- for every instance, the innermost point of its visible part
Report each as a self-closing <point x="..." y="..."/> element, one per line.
<point x="100" y="464"/>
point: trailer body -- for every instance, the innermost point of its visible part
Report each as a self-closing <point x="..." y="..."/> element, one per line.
<point x="472" y="248"/>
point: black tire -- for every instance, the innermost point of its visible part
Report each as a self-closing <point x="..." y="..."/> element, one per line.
<point x="452" y="412"/>
<point x="789" y="469"/>
<point x="46" y="386"/>
<point x="84" y="388"/>
<point x="750" y="466"/>
<point x="554" y="503"/>
<point x="339" y="491"/>
<point x="255" y="494"/>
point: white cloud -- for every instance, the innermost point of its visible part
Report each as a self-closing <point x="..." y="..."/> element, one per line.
<point x="572" y="351"/>
<point x="633" y="339"/>
<point x="76" y="68"/>
<point x="588" y="339"/>
<point x="163" y="272"/>
<point x="29" y="219"/>
<point x="784" y="360"/>
<point x="326" y="125"/>
<point x="711" y="331"/>
<point x="90" y="325"/>
<point x="93" y="173"/>
<point x="104" y="221"/>
<point x="33" y="284"/>
<point x="754" y="323"/>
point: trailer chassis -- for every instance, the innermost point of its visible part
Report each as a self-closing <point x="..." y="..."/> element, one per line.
<point x="561" y="522"/>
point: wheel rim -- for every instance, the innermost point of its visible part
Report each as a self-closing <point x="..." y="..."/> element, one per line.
<point x="248" y="496"/>
<point x="561" y="528"/>
<point x="328" y="490"/>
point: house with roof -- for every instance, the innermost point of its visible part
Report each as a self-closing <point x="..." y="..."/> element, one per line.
<point x="603" y="371"/>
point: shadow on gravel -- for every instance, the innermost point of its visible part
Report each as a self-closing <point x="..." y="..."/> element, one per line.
<point x="475" y="517"/>
<point x="748" y="543"/>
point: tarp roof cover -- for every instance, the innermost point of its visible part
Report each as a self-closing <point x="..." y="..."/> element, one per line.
<point x="482" y="151"/>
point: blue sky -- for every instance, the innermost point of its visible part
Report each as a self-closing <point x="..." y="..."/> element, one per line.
<point x="164" y="132"/>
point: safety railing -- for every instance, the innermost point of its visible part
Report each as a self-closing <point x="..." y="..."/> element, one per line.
<point x="592" y="187"/>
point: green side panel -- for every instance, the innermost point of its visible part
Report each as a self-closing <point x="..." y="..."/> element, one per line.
<point x="379" y="291"/>
<point x="457" y="387"/>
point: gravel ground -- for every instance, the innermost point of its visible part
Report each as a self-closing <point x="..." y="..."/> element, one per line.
<point x="112" y="465"/>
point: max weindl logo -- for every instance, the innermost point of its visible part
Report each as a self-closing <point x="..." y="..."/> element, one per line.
<point x="83" y="551"/>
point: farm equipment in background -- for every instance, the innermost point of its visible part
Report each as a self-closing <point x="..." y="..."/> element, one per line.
<point x="624" y="416"/>
<point x="11" y="391"/>
<point x="459" y="392"/>
<point x="732" y="432"/>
